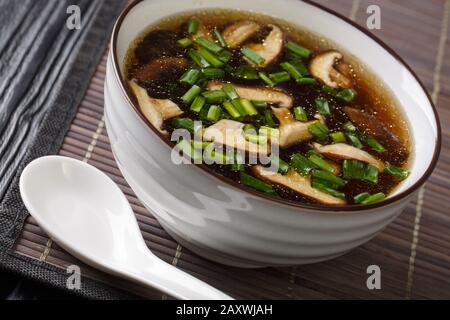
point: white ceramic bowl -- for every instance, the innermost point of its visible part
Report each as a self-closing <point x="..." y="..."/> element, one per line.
<point x="223" y="222"/>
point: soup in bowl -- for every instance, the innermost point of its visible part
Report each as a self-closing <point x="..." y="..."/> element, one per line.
<point x="259" y="140"/>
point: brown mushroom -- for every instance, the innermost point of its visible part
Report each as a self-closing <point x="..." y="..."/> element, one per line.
<point x="370" y="124"/>
<point x="230" y="133"/>
<point x="322" y="67"/>
<point x="271" y="48"/>
<point x="155" y="110"/>
<point x="344" y="151"/>
<point x="269" y="95"/>
<point x="298" y="183"/>
<point x="161" y="68"/>
<point x="292" y="132"/>
<point x="239" y="32"/>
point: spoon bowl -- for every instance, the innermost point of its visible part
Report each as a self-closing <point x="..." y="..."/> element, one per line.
<point x="87" y="214"/>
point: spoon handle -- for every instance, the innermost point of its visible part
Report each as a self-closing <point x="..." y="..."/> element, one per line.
<point x="176" y="283"/>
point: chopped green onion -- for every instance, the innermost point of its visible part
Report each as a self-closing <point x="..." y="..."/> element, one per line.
<point x="319" y="130"/>
<point x="268" y="119"/>
<point x="323" y="107"/>
<point x="355" y="140"/>
<point x="300" y="114"/>
<point x="200" y="145"/>
<point x="210" y="57"/>
<point x="307" y="81"/>
<point x="361" y="197"/>
<point x="329" y="90"/>
<point x="289" y="68"/>
<point x="324" y="175"/>
<point x="257" y="184"/>
<point x="182" y="123"/>
<point x="230" y="91"/>
<point x="263" y="76"/>
<point x="207" y="44"/>
<point x="213" y="73"/>
<point x="374" y="144"/>
<point x="249" y="128"/>
<point x="298" y="50"/>
<point x="191" y="94"/>
<point x="220" y="38"/>
<point x="374" y="198"/>
<point x="224" y="56"/>
<point x="190" y="77"/>
<point x="280" y="77"/>
<point x="260" y="104"/>
<point x="319" y="186"/>
<point x="327" y="183"/>
<point x="214" y="113"/>
<point x="371" y="174"/>
<point x="253" y="56"/>
<point x="349" y="127"/>
<point x="346" y="95"/>
<point x="246" y="72"/>
<point x="254" y="138"/>
<point x="282" y="165"/>
<point x="198" y="104"/>
<point x="231" y="109"/>
<point x="238" y="106"/>
<point x="338" y="137"/>
<point x="248" y="107"/>
<point x="238" y="164"/>
<point x="193" y="25"/>
<point x="396" y="171"/>
<point x="302" y="164"/>
<point x="269" y="132"/>
<point x="215" y="96"/>
<point x="198" y="59"/>
<point x="186" y="147"/>
<point x="353" y="169"/>
<point x="300" y="66"/>
<point x="185" y="42"/>
<point x="321" y="163"/>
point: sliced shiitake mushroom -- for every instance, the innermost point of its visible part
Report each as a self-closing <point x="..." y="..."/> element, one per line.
<point x="230" y="133"/>
<point x="269" y="95"/>
<point x="239" y="32"/>
<point x="370" y="124"/>
<point x="344" y="151"/>
<point x="272" y="47"/>
<point x="155" y="110"/>
<point x="161" y="68"/>
<point x="323" y="68"/>
<point x="292" y="132"/>
<point x="298" y="183"/>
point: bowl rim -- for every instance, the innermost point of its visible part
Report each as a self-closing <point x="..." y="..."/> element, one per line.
<point x="290" y="203"/>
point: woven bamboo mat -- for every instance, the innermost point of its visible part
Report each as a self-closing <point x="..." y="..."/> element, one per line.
<point x="413" y="252"/>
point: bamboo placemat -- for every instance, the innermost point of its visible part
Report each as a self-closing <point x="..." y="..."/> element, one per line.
<point x="413" y="252"/>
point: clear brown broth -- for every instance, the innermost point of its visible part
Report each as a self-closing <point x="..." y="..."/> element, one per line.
<point x="160" y="40"/>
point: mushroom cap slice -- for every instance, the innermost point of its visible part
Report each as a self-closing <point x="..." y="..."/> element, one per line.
<point x="298" y="183"/>
<point x="367" y="122"/>
<point x="155" y="110"/>
<point x="269" y="95"/>
<point x="271" y="48"/>
<point x="344" y="151"/>
<point x="160" y="68"/>
<point x="231" y="134"/>
<point x="292" y="132"/>
<point x="322" y="68"/>
<point x="239" y="32"/>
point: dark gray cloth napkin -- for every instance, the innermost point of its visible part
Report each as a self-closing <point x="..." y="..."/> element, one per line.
<point x="45" y="69"/>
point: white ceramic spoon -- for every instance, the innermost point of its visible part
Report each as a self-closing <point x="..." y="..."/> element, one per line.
<point x="85" y="212"/>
